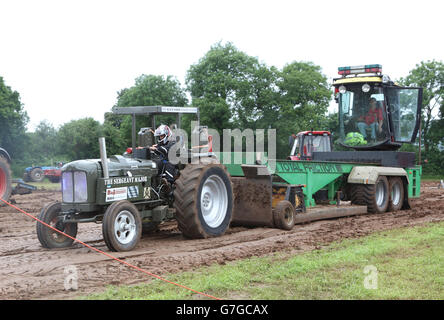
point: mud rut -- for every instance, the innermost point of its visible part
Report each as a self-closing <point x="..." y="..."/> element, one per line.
<point x="27" y="271"/>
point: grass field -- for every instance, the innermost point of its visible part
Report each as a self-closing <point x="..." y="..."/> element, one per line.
<point x="406" y="263"/>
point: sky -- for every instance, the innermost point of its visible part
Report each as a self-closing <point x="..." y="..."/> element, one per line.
<point x="68" y="59"/>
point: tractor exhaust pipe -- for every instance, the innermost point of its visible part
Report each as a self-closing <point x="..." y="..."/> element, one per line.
<point x="103" y="157"/>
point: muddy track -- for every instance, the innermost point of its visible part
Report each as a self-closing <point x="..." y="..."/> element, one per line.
<point x="27" y="271"/>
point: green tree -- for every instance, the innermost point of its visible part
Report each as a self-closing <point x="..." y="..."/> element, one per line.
<point x="13" y="121"/>
<point x="304" y="99"/>
<point x="305" y="95"/>
<point x="430" y="76"/>
<point x="232" y="89"/>
<point x="78" y="139"/>
<point x="115" y="144"/>
<point x="43" y="144"/>
<point x="149" y="90"/>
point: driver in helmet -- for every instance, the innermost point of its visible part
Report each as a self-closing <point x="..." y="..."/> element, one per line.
<point x="164" y="143"/>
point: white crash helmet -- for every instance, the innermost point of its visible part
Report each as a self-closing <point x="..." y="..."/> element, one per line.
<point x="162" y="130"/>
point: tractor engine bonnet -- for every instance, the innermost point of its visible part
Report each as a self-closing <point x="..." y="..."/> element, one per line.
<point x="83" y="182"/>
<point x="118" y="166"/>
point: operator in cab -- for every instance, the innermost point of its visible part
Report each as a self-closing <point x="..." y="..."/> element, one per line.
<point x="164" y="143"/>
<point x="373" y="120"/>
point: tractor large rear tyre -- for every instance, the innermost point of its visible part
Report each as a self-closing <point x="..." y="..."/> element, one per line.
<point x="374" y="196"/>
<point x="5" y="181"/>
<point x="37" y="175"/>
<point x="203" y="200"/>
<point x="396" y="194"/>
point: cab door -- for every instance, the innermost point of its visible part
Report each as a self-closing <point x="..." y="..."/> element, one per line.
<point x="404" y="112"/>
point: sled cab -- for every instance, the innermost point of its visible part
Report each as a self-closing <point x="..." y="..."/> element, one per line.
<point x="374" y="112"/>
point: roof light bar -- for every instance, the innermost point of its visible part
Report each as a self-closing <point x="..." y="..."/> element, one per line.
<point x="368" y="68"/>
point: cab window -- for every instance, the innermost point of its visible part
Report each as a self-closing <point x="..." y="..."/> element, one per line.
<point x="362" y="116"/>
<point x="404" y="106"/>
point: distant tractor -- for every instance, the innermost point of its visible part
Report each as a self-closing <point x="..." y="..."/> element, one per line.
<point x="306" y="142"/>
<point x="39" y="173"/>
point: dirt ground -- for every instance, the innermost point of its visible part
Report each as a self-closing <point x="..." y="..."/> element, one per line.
<point x="27" y="271"/>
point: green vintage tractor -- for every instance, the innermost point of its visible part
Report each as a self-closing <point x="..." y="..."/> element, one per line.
<point x="129" y="195"/>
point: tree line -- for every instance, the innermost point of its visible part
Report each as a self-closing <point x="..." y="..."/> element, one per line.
<point x="232" y="90"/>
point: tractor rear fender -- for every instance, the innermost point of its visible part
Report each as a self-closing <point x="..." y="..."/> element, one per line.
<point x="369" y="174"/>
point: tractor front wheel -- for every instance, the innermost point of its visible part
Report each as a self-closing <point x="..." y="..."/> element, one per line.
<point x="49" y="238"/>
<point x="284" y="215"/>
<point x="122" y="226"/>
